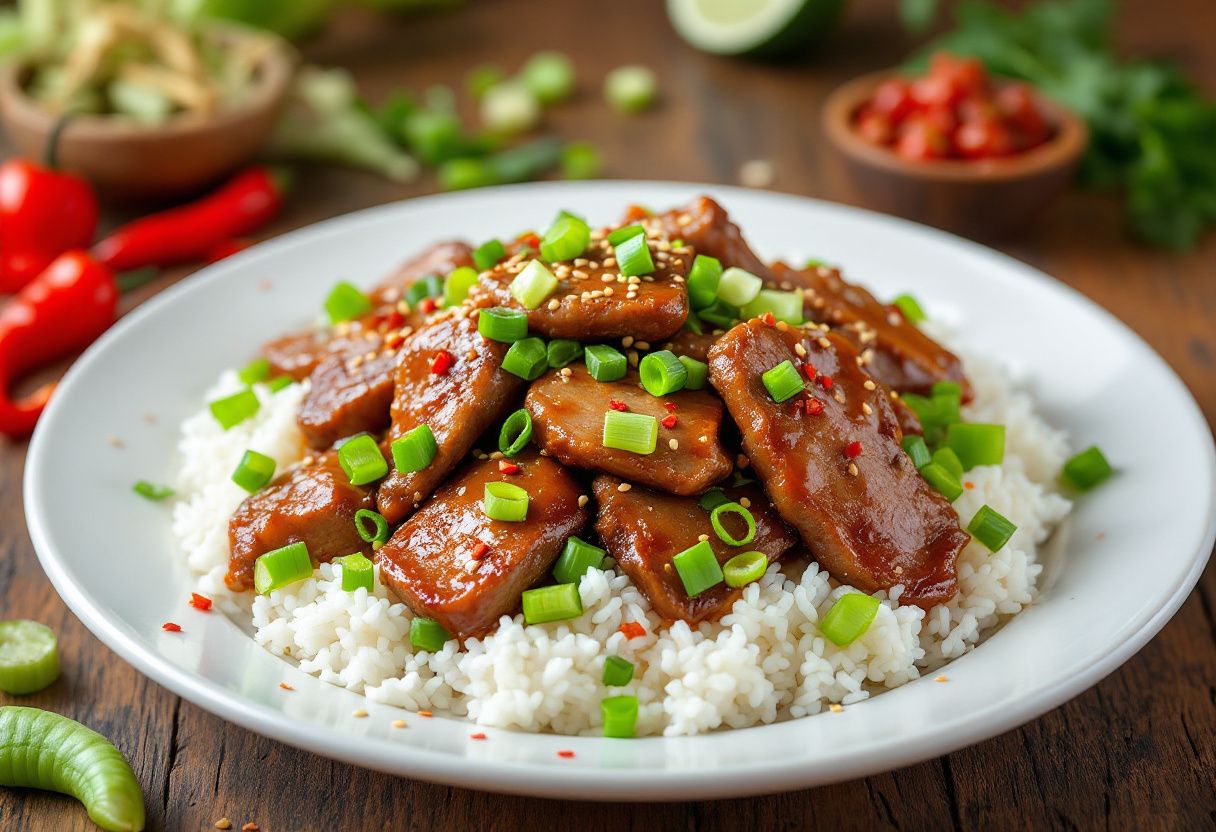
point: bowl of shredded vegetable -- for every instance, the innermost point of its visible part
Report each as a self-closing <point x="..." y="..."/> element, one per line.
<point x="143" y="107"/>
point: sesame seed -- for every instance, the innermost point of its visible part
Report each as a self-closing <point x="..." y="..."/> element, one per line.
<point x="417" y="496"/>
<point x="634" y="279"/>
<point x="359" y="713"/>
<point x="399" y="723"/>
<point x="566" y="371"/>
<point x="834" y="708"/>
<point x="608" y="292"/>
<point x="866" y="409"/>
<point x="609" y="262"/>
<point x="940" y="679"/>
<point x="630" y="295"/>
<point x="869" y="385"/>
<point x="674" y="444"/>
<point x="782" y="326"/>
<point x="223" y="823"/>
<point x="608" y="278"/>
<point x="801" y="350"/>
<point x="704" y="438"/>
<point x="742" y="461"/>
<point x="702" y="537"/>
<point x="642" y="345"/>
<point x="627" y="341"/>
<point x="583" y="499"/>
<point x="677" y="279"/>
<point x="853" y="469"/>
<point x="745" y="502"/>
<point x="824" y="342"/>
<point x="579" y="274"/>
<point x="597" y="294"/>
<point x="623" y="487"/>
<point x="633" y="358"/>
<point x="554" y="305"/>
<point x="114" y="441"/>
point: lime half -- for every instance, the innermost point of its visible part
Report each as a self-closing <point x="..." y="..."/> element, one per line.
<point x="29" y="657"/>
<point x="760" y="28"/>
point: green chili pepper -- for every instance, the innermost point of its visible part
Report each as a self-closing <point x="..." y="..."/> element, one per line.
<point x="42" y="750"/>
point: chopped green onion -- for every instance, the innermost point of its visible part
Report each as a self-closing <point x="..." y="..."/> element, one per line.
<point x="279" y="382"/>
<point x="620" y="235"/>
<point x="942" y="480"/>
<point x="549" y="75"/>
<point x="362" y="461"/>
<point x="575" y="560"/>
<point x="1087" y="469"/>
<point x="693" y="324"/>
<point x="915" y="447"/>
<point x="502" y="324"/>
<point x="480" y="78"/>
<point x="977" y="444"/>
<point x="580" y="160"/>
<point x="991" y="528"/>
<point x="605" y="363"/>
<point x="416" y="292"/>
<point x="933" y="413"/>
<point x="697" y="372"/>
<point x="849" y="618"/>
<point x="739" y="287"/>
<point x="946" y="388"/>
<point x="232" y="410"/>
<point x="566" y="239"/>
<point x="720" y="314"/>
<point x="432" y="283"/>
<point x="487" y="255"/>
<point x="948" y="406"/>
<point x="282" y="567"/>
<point x="456" y="287"/>
<point x="633" y="256"/>
<point x="631" y="88"/>
<point x="662" y="373"/>
<point x="618" y="672"/>
<point x="712" y="498"/>
<point x="515" y="433"/>
<point x="346" y="303"/>
<point x="551" y="603"/>
<point x="371" y="526"/>
<point x="532" y="285"/>
<point x="561" y="351"/>
<point x="633" y="432"/>
<point x="744" y="569"/>
<point x="29" y="662"/>
<point x="620" y="715"/>
<point x="254" y="471"/>
<point x="782" y="382"/>
<point x="949" y="460"/>
<point x="152" y="491"/>
<point x="784" y="306"/>
<point x="415" y="450"/>
<point x="428" y="634"/>
<point x="698" y="568"/>
<point x="357" y="571"/>
<point x="255" y="371"/>
<point x="506" y="502"/>
<point x="715" y="518"/>
<point x="910" y="308"/>
<point x="527" y="359"/>
<point x="509" y="107"/>
<point x="702" y="281"/>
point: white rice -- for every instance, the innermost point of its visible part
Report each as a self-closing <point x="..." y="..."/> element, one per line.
<point x="764" y="661"/>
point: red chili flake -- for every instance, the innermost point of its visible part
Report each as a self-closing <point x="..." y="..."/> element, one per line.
<point x="672" y="407"/>
<point x="852" y="450"/>
<point x="968" y="485"/>
<point x="477" y="736"/>
<point x="285" y="686"/>
<point x="531" y="241"/>
<point x="508" y="468"/>
<point x="808" y="370"/>
<point x="565" y="754"/>
<point x="393" y="340"/>
<point x="394" y="320"/>
<point x="480" y="551"/>
<point x="170" y="627"/>
<point x="768" y="319"/>
<point x="442" y="362"/>
<point x="668" y="421"/>
<point x="615" y="405"/>
<point x="425" y="713"/>
<point x="813" y="406"/>
<point x="427" y="305"/>
<point x="826" y="382"/>
<point x="633" y="629"/>
<point x="200" y="602"/>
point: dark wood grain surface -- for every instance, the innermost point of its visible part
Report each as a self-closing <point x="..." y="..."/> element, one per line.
<point x="1137" y="751"/>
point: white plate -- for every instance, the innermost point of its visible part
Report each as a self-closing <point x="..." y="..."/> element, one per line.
<point x="112" y="557"/>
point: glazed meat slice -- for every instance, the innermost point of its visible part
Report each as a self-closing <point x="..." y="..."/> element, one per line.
<point x="835" y="470"/>
<point x="894" y="350"/>
<point x="568" y="422"/>
<point x="313" y="502"/>
<point x="645" y="529"/>
<point x="594" y="301"/>
<point x="705" y="225"/>
<point x="439" y="259"/>
<point x="349" y="392"/>
<point x="436" y="565"/>
<point x="296" y="355"/>
<point x="459" y="403"/>
<point x="692" y="344"/>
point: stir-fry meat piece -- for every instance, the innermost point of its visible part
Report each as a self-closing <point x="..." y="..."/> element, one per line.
<point x="705" y="226"/>
<point x="453" y="563"/>
<point x="313" y="502"/>
<point x="645" y="529"/>
<point x="296" y="355"/>
<point x="691" y="344"/>
<point x="451" y="378"/>
<point x="593" y="300"/>
<point x="439" y="259"/>
<point x="834" y="468"/>
<point x="568" y="422"/>
<point x="894" y="350"/>
<point x="349" y="392"/>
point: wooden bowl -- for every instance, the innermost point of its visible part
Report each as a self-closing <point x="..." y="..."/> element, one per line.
<point x="980" y="198"/>
<point x="128" y="161"/>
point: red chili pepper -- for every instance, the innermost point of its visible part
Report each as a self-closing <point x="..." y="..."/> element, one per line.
<point x="226" y="249"/>
<point x="189" y="232"/>
<point x="480" y="551"/>
<point x="478" y="736"/>
<point x="668" y="421"/>
<point x="200" y="602"/>
<point x="62" y="311"/>
<point x="565" y="754"/>
<point x="43" y="213"/>
<point x="508" y="468"/>
<point x="768" y="319"/>
<point x="442" y="362"/>
<point x="632" y="629"/>
<point x="852" y="450"/>
<point x="825" y="382"/>
<point x="170" y="627"/>
<point x="813" y="406"/>
<point x="615" y="405"/>
<point x="427" y="305"/>
<point x="672" y="407"/>
<point x="808" y="370"/>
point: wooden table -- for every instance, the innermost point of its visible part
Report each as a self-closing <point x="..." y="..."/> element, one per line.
<point x="1136" y="751"/>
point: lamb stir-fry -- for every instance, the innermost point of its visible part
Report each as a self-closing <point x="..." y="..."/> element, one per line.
<point x="489" y="424"/>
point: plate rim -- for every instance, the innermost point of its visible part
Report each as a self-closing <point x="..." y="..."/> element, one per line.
<point x="520" y="777"/>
